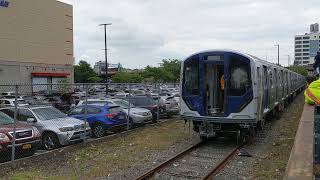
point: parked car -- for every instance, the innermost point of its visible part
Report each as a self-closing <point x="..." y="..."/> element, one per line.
<point x="101" y="117"/>
<point x="150" y="104"/>
<point x="48" y="93"/>
<point x="137" y="115"/>
<point x="11" y="102"/>
<point x="27" y="138"/>
<point x="56" y="102"/>
<point x="55" y="127"/>
<point x="177" y="97"/>
<point x="138" y="92"/>
<point x="35" y="100"/>
<point x="94" y="101"/>
<point x="172" y="106"/>
<point x="7" y="94"/>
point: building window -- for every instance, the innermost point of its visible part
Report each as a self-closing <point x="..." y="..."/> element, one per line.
<point x="298" y="50"/>
<point x="306" y="37"/>
<point x="306" y="54"/>
<point x="298" y="46"/>
<point x="298" y="54"/>
<point x="305" y="41"/>
<point x="298" y="42"/>
<point x="305" y="62"/>
<point x="305" y="50"/>
<point x="305" y="57"/>
<point x="298" y="58"/>
<point x="298" y="38"/>
<point x="305" y="46"/>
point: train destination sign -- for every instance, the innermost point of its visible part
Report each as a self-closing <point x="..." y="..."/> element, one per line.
<point x="4" y="3"/>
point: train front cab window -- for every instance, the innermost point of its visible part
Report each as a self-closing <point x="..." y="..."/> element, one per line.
<point x="191" y="79"/>
<point x="240" y="78"/>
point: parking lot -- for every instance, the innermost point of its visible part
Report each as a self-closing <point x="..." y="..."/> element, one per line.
<point x="40" y="118"/>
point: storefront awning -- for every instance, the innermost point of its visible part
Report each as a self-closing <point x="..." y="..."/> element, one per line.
<point x="50" y="74"/>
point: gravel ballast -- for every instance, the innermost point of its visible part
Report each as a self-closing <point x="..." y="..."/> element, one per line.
<point x="271" y="148"/>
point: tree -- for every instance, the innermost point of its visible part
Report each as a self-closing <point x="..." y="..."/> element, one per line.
<point x="169" y="71"/>
<point x="126" y="77"/>
<point x="299" y="69"/>
<point x="83" y="73"/>
<point x="172" y="66"/>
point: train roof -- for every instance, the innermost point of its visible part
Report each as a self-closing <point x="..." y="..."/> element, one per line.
<point x="251" y="57"/>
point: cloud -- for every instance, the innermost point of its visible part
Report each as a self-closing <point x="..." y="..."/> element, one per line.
<point x="144" y="32"/>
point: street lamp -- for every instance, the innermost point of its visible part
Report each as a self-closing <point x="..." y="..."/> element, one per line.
<point x="278" y="52"/>
<point x="105" y="53"/>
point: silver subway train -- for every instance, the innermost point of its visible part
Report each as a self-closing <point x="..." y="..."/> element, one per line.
<point x="225" y="91"/>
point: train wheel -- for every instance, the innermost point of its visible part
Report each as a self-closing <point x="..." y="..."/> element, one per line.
<point x="241" y="137"/>
<point x="204" y="138"/>
<point x="260" y="125"/>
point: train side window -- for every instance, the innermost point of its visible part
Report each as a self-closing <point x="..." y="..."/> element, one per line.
<point x="240" y="76"/>
<point x="191" y="77"/>
<point x="270" y="78"/>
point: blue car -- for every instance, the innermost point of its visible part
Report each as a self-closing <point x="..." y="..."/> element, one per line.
<point x="100" y="117"/>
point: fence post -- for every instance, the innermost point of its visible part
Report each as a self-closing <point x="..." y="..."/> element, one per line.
<point x="13" y="152"/>
<point x="128" y="118"/>
<point x="158" y="108"/>
<point x="85" y="115"/>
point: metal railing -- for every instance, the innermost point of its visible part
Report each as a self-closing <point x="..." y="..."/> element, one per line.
<point x="31" y="118"/>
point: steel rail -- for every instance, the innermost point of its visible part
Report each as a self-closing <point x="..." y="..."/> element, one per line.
<point x="151" y="172"/>
<point x="219" y="167"/>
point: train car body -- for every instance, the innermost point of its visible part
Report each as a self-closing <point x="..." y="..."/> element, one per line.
<point x="228" y="91"/>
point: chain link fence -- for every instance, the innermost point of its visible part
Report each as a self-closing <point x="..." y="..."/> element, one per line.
<point x="42" y="117"/>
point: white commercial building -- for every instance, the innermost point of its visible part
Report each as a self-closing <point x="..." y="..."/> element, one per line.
<point x="306" y="46"/>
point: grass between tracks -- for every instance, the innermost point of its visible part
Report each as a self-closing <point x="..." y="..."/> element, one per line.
<point x="105" y="158"/>
<point x="278" y="148"/>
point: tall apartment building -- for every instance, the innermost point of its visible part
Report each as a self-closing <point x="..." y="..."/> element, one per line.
<point x="306" y="46"/>
<point x="36" y="42"/>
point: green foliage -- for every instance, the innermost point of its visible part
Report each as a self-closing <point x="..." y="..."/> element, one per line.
<point x="299" y="69"/>
<point x="125" y="77"/>
<point x="169" y="71"/>
<point x="83" y="73"/>
<point x="63" y="85"/>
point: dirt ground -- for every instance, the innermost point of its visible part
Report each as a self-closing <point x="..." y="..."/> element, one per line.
<point x="277" y="151"/>
<point x="119" y="158"/>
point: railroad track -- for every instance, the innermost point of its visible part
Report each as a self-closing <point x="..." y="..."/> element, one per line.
<point x="200" y="161"/>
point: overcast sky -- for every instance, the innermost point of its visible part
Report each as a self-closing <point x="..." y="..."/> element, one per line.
<point x="143" y="32"/>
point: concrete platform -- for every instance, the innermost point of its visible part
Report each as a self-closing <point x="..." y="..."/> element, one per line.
<point x="300" y="164"/>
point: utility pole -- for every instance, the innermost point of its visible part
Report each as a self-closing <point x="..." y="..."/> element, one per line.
<point x="278" y="53"/>
<point x="105" y="54"/>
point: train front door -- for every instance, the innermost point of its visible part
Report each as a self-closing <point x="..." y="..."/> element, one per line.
<point x="214" y="84"/>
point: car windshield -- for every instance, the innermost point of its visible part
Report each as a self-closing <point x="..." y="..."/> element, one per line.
<point x="143" y="101"/>
<point x="96" y="102"/>
<point x="5" y="119"/>
<point x="49" y="113"/>
<point x="124" y="104"/>
<point x="20" y="101"/>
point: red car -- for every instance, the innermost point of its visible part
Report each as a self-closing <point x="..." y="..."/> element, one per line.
<point x="27" y="138"/>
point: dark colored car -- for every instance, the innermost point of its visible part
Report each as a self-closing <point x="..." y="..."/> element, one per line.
<point x="27" y="138"/>
<point x="56" y="102"/>
<point x="101" y="117"/>
<point x="48" y="93"/>
<point x="151" y="104"/>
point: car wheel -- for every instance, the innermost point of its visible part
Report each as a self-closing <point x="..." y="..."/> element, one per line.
<point x="98" y="130"/>
<point x="50" y="141"/>
<point x="131" y="124"/>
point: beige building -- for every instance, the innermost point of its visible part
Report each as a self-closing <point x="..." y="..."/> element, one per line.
<point x="36" y="42"/>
